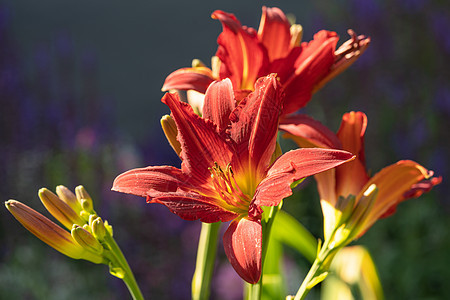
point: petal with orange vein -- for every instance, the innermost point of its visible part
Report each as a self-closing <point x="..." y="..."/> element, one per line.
<point x="274" y="32"/>
<point x="240" y="51"/>
<point x="351" y="177"/>
<point x="255" y="124"/>
<point x="201" y="144"/>
<point x="393" y="182"/>
<point x="292" y="166"/>
<point x="197" y="79"/>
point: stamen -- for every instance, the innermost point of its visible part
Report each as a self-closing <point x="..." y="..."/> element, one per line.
<point x="227" y="187"/>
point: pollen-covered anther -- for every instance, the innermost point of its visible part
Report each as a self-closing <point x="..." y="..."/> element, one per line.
<point x="227" y="188"/>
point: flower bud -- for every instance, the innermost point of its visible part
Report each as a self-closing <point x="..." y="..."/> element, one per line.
<point x="59" y="209"/>
<point x="296" y="35"/>
<point x="98" y="229"/>
<point x="86" y="240"/>
<point x="170" y="130"/>
<point x="362" y="210"/>
<point x="50" y="233"/>
<point x="67" y="196"/>
<point x="344" y="208"/>
<point x="85" y="200"/>
<point x="108" y="228"/>
<point x="197" y="63"/>
<point x="215" y="66"/>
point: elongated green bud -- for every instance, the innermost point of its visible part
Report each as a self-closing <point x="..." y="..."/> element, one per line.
<point x="85" y="200"/>
<point x="98" y="229"/>
<point x="362" y="210"/>
<point x="86" y="240"/>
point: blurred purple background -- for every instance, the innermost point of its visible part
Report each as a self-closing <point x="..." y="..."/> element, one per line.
<point x="80" y="103"/>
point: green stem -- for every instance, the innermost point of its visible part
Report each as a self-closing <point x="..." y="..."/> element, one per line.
<point x="128" y="276"/>
<point x="254" y="291"/>
<point x="206" y="255"/>
<point x="317" y="273"/>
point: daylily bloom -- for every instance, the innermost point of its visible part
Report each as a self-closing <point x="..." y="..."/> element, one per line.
<point x="245" y="55"/>
<point x="348" y="194"/>
<point x="226" y="172"/>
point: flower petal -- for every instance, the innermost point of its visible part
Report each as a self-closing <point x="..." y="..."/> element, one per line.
<point x="198" y="79"/>
<point x="274" y="32"/>
<point x="152" y="181"/>
<point x="240" y="51"/>
<point x="191" y="206"/>
<point x="307" y="132"/>
<point x="169" y="186"/>
<point x="201" y="144"/>
<point x="345" y="56"/>
<point x="312" y="65"/>
<point x="219" y="103"/>
<point x="255" y="124"/>
<point x="290" y="167"/>
<point x="394" y="184"/>
<point x="351" y="177"/>
<point x="242" y="244"/>
<point x="351" y="133"/>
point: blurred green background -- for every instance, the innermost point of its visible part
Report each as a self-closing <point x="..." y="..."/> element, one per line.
<point x="80" y="103"/>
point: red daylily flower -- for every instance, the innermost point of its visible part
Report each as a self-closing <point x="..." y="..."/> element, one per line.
<point x="395" y="183"/>
<point x="245" y="55"/>
<point x="226" y="172"/>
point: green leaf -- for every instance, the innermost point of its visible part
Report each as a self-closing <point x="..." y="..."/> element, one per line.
<point x="287" y="230"/>
<point x="273" y="281"/>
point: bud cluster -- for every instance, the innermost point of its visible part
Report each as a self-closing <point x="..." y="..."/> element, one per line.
<point x="75" y="211"/>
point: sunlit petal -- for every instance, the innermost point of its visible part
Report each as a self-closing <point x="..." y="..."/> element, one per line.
<point x="242" y="243"/>
<point x="198" y="79"/>
<point x="274" y="32"/>
<point x="240" y="51"/>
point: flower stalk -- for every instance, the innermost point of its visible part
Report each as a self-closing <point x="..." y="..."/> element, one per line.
<point x="89" y="238"/>
<point x="206" y="255"/>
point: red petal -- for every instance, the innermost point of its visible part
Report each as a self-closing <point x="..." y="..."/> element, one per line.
<point x="219" y="103"/>
<point x="240" y="51"/>
<point x="168" y="186"/>
<point x="144" y="181"/>
<point x="192" y="206"/>
<point x="351" y="133"/>
<point x="292" y="166"/>
<point x="201" y="145"/>
<point x="255" y="124"/>
<point x="274" y="32"/>
<point x="421" y="187"/>
<point x="242" y="244"/>
<point x="345" y="56"/>
<point x="351" y="177"/>
<point x="313" y="64"/>
<point x="189" y="79"/>
<point x="307" y="132"/>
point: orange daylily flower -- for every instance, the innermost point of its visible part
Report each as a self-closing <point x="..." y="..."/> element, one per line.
<point x="381" y="193"/>
<point x="246" y="54"/>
